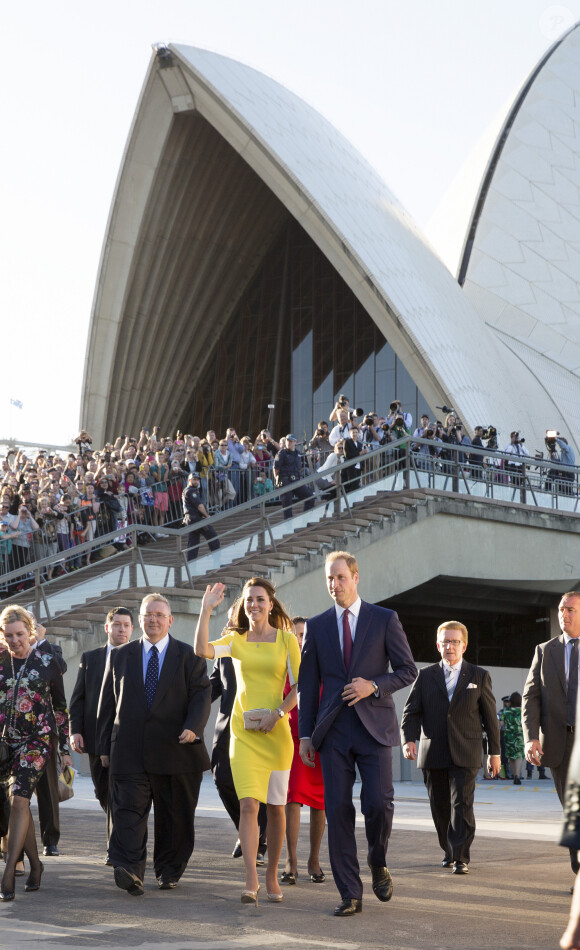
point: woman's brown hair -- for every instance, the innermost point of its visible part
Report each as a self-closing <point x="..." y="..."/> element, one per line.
<point x="278" y="616"/>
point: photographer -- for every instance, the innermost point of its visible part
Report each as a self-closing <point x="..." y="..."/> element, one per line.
<point x="453" y="434"/>
<point x="371" y="435"/>
<point x="341" y="429"/>
<point x="559" y="451"/>
<point x="396" y="409"/>
<point x="419" y="432"/>
<point x="320" y="447"/>
<point x="517" y="448"/>
<point x="427" y="455"/>
<point x="343" y="402"/>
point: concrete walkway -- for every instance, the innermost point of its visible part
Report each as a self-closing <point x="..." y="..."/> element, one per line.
<point x="517" y="894"/>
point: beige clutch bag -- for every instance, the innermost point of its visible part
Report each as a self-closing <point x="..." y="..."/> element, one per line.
<point x="252" y="718"/>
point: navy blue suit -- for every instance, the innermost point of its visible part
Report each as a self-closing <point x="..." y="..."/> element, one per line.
<point x="357" y="736"/>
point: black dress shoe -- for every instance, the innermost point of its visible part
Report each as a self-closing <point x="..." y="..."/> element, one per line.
<point x="447" y="862"/>
<point x="33" y="884"/>
<point x="347" y="907"/>
<point x="50" y="851"/>
<point x="128" y="882"/>
<point x="460" y="867"/>
<point x="237" y="852"/>
<point x="165" y="884"/>
<point x="7" y="895"/>
<point x="382" y="883"/>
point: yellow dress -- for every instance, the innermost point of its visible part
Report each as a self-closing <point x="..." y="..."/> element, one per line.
<point x="260" y="760"/>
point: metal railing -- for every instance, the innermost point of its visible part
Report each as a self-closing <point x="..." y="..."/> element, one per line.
<point x="160" y="556"/>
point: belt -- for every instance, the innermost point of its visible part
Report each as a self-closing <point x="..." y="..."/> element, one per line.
<point x="569" y="728"/>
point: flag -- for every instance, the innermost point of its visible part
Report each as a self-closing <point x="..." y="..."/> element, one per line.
<point x="17" y="403"/>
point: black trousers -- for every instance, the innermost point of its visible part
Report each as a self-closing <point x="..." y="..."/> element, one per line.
<point x="222" y="776"/>
<point x="175" y="799"/>
<point x="451" y="794"/>
<point x="298" y="492"/>
<point x="47" y="798"/>
<point x="100" y="777"/>
<point x="194" y="540"/>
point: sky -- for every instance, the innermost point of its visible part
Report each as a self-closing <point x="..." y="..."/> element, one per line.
<point x="413" y="86"/>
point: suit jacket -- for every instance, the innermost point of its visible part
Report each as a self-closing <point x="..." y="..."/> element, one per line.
<point x="223" y="686"/>
<point x="379" y="643"/>
<point x="85" y="697"/>
<point x="139" y="739"/>
<point x="545" y="701"/>
<point x="451" y="732"/>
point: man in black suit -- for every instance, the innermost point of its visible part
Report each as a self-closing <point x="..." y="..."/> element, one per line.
<point x="85" y="700"/>
<point x="354" y="657"/>
<point x="47" y="787"/>
<point x="446" y="707"/>
<point x="153" y="708"/>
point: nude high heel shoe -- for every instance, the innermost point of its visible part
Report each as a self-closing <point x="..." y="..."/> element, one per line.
<point x="250" y="897"/>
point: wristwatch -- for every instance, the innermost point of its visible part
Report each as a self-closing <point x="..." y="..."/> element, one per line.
<point x="280" y="713"/>
<point x="376" y="689"/>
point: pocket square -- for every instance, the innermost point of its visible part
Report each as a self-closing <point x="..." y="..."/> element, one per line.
<point x="472" y="686"/>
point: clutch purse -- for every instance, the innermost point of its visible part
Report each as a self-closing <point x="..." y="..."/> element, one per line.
<point x="253" y="717"/>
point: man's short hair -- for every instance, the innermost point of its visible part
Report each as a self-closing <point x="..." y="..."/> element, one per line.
<point x="570" y="593"/>
<point x="453" y="625"/>
<point x="149" y="598"/>
<point x="351" y="561"/>
<point x="124" y="611"/>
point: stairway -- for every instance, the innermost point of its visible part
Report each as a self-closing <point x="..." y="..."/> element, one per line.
<point x="82" y="627"/>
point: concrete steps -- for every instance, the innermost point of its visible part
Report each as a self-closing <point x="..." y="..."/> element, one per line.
<point x="85" y="622"/>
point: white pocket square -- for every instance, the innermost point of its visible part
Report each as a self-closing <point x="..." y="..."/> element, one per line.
<point x="472" y="685"/>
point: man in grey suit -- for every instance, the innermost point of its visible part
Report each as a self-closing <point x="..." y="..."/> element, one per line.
<point x="446" y="707"/>
<point x="549" y="699"/>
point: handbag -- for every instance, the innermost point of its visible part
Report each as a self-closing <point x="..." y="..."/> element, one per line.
<point x="253" y="717"/>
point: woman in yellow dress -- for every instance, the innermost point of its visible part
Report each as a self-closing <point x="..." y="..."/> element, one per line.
<point x="264" y="652"/>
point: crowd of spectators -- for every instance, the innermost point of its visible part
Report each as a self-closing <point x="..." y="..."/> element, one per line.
<point x="52" y="503"/>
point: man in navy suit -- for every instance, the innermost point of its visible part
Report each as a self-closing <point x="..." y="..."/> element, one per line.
<point x="85" y="700"/>
<point x="153" y="708"/>
<point x="446" y="707"/>
<point x="358" y="653"/>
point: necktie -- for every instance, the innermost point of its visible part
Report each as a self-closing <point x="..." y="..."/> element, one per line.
<point x="449" y="682"/>
<point x="151" y="676"/>
<point x="346" y="640"/>
<point x="572" y="684"/>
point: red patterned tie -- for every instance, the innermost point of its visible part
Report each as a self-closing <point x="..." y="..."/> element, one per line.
<point x="346" y="640"/>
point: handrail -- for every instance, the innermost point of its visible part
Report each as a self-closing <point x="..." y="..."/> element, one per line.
<point x="256" y="526"/>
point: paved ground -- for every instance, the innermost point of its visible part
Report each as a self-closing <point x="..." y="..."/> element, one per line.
<point x="516" y="896"/>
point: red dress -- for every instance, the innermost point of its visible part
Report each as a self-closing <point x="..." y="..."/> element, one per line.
<point x="306" y="785"/>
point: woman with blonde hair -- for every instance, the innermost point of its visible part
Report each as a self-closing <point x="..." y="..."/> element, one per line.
<point x="265" y="652"/>
<point x="33" y="715"/>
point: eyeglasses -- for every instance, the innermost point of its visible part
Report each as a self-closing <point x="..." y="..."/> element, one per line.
<point x="152" y="616"/>
<point x="450" y="643"/>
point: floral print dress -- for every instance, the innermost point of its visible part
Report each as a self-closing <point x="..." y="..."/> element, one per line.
<point x="33" y="714"/>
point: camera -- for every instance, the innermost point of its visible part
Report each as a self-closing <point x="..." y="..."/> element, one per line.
<point x="368" y="420"/>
